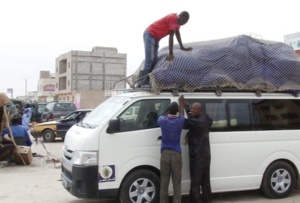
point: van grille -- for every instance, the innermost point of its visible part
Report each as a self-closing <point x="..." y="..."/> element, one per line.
<point x="67" y="157"/>
<point x="67" y="173"/>
<point x="70" y="152"/>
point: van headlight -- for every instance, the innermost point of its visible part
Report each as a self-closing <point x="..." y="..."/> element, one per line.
<point x="85" y="158"/>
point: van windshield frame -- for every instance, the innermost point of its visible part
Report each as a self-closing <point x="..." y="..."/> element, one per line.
<point x="105" y="111"/>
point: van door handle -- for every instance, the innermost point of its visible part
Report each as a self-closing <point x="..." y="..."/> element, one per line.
<point x="159" y="138"/>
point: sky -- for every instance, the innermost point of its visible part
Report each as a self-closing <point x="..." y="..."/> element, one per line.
<point x="35" y="32"/>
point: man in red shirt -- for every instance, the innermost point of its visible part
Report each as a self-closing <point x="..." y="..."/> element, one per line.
<point x="168" y="25"/>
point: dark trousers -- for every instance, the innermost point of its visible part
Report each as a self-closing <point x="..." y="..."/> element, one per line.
<point x="170" y="165"/>
<point x="6" y="152"/>
<point x="200" y="178"/>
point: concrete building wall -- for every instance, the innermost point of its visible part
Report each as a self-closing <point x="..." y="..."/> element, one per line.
<point x="45" y="74"/>
<point x="63" y="73"/>
<point x="81" y="72"/>
<point x="89" y="99"/>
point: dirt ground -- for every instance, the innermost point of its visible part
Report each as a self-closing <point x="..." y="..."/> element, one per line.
<point x="35" y="184"/>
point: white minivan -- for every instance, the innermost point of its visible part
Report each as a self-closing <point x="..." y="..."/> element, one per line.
<point x="254" y="139"/>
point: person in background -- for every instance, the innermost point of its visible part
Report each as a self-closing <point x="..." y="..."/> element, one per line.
<point x="6" y="150"/>
<point x="198" y="124"/>
<point x="168" y="25"/>
<point x="171" y="160"/>
<point x="151" y="120"/>
<point x="26" y="117"/>
<point x="3" y="99"/>
<point x="18" y="131"/>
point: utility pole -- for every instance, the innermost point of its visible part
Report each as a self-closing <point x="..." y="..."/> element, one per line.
<point x="26" y="78"/>
<point x="25" y="87"/>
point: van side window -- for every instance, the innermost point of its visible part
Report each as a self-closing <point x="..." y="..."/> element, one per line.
<point x="143" y="114"/>
<point x="276" y="114"/>
<point x="227" y="114"/>
<point x="217" y="112"/>
<point x="251" y="114"/>
<point x="239" y="115"/>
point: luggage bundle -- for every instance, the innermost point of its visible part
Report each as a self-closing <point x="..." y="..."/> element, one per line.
<point x="241" y="62"/>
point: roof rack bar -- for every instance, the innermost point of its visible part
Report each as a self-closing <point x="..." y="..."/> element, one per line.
<point x="126" y="80"/>
<point x="219" y="92"/>
<point x="258" y="93"/>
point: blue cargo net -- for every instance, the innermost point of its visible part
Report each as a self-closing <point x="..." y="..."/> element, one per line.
<point x="240" y="62"/>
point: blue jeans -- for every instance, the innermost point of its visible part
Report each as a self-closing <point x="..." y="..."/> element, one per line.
<point x="151" y="52"/>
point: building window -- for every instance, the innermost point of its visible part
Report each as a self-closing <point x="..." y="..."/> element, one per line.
<point x="298" y="43"/>
<point x="63" y="66"/>
<point x="62" y="84"/>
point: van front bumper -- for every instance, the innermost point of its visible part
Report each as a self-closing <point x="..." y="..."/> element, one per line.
<point x="82" y="182"/>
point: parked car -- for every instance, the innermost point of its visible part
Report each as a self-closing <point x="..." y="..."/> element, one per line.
<point x="52" y="129"/>
<point x="55" y="110"/>
<point x="36" y="111"/>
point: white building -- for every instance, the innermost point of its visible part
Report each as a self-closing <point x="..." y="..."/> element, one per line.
<point x="46" y="86"/>
<point x="293" y="40"/>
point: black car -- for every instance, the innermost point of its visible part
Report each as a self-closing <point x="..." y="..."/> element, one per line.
<point x="52" y="129"/>
<point x="56" y="110"/>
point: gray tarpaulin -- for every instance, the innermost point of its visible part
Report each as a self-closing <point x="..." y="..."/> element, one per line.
<point x="240" y="62"/>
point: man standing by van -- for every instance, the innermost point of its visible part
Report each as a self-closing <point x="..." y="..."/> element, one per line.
<point x="171" y="161"/>
<point x="198" y="124"/>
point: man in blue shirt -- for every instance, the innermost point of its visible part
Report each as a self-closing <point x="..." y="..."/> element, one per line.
<point x="17" y="131"/>
<point x="171" y="161"/>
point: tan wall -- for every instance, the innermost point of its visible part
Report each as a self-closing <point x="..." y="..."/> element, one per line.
<point x="90" y="99"/>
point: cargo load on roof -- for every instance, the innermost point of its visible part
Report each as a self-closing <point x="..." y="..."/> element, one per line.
<point x="240" y="62"/>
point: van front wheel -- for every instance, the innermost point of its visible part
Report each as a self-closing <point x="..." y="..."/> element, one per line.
<point x="279" y="180"/>
<point x="140" y="186"/>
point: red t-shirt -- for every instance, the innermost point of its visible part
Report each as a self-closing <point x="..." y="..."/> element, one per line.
<point x="159" y="29"/>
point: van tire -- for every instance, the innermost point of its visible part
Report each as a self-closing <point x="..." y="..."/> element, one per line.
<point x="279" y="180"/>
<point x="48" y="135"/>
<point x="140" y="177"/>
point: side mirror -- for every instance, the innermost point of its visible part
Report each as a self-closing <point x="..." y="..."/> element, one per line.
<point x="113" y="125"/>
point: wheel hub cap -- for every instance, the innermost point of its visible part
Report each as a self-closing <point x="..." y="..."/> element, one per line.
<point x="141" y="190"/>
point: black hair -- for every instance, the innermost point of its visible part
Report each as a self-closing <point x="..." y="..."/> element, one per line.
<point x="185" y="14"/>
<point x="173" y="108"/>
<point x="16" y="121"/>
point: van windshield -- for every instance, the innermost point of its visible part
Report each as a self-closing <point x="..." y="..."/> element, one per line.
<point x="105" y="111"/>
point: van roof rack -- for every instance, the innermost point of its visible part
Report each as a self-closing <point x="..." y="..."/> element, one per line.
<point x="131" y="81"/>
